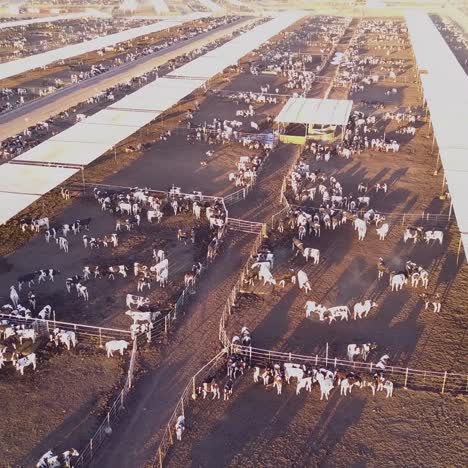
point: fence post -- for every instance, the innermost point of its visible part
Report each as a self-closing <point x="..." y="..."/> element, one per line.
<point x="250" y="354"/>
<point x="335" y="363"/>
<point x="194" y="390"/>
<point x="91" y="446"/>
<point x="100" y="338"/>
<point x="406" y="379"/>
<point x="160" y="458"/>
<point x="326" y="355"/>
<point x="165" y="325"/>
<point x="403" y="222"/>
<point x="182" y="404"/>
<point x="443" y="383"/>
<point x="316" y="360"/>
<point x="289" y="357"/>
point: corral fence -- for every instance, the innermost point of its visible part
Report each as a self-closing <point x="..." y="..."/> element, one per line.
<point x="104" y="431"/>
<point x="84" y="333"/>
<point x="234" y="224"/>
<point x="185" y="399"/>
<point x="443" y="382"/>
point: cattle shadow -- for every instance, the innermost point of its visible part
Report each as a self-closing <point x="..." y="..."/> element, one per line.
<point x="337" y="417"/>
<point x="251" y="415"/>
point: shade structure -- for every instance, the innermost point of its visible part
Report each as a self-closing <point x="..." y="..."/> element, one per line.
<point x="212" y="6"/>
<point x="50" y="19"/>
<point x="84" y="142"/>
<point x="22" y="65"/>
<point x="445" y="88"/>
<point x="21" y="185"/>
<point x="315" y="111"/>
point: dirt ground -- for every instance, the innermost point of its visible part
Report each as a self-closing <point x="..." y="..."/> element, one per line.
<point x="414" y="428"/>
<point x="257" y="427"/>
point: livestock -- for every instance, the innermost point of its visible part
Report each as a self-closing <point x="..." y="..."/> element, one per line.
<point x="303" y="281"/>
<point x="338" y="311"/>
<point x="413" y="233"/>
<point x="361" y="226"/>
<point x="143" y="283"/>
<point x="72" y="281"/>
<point x="180" y="427"/>
<point x="382" y="362"/>
<point x="63" y="244"/>
<point x="385" y="384"/>
<point x="65" y="337"/>
<point x="27" y="278"/>
<point x="116" y="345"/>
<point x="26" y="334"/>
<point x="312" y="306"/>
<point x="291" y="371"/>
<point x="50" y="460"/>
<point x="45" y="312"/>
<point x="278" y="383"/>
<point x="290" y="275"/>
<point x="227" y="391"/>
<point x="138" y="316"/>
<point x="326" y="385"/>
<point x="21" y="363"/>
<point x="305" y="382"/>
<point x="381" y="267"/>
<point x="360" y="350"/>
<point x="14" y="296"/>
<point x="136" y="300"/>
<point x="210" y="386"/>
<point x="434" y="235"/>
<point x="397" y="280"/>
<point x="363" y="308"/>
<point x="435" y="300"/>
<point x="82" y="291"/>
<point x="382" y="231"/>
<point x="36" y="224"/>
<point x="312" y="253"/>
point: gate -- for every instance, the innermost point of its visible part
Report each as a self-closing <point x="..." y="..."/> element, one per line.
<point x="241" y="225"/>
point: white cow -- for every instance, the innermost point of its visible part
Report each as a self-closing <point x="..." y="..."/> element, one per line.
<point x="338" y="311"/>
<point x="326" y="385"/>
<point x="312" y="306"/>
<point x="382" y="231"/>
<point x="116" y="345"/>
<point x="303" y="281"/>
<point x="356" y="350"/>
<point x="397" y="281"/>
<point x="14" y="296"/>
<point x="27" y="334"/>
<point x="138" y="316"/>
<point x="385" y="384"/>
<point x="66" y="337"/>
<point x="306" y="383"/>
<point x="434" y="235"/>
<point x="312" y="253"/>
<point x="290" y="370"/>
<point x="180" y="427"/>
<point x="361" y="226"/>
<point x="22" y="363"/>
<point x="363" y="308"/>
<point x="136" y="300"/>
<point x="82" y="291"/>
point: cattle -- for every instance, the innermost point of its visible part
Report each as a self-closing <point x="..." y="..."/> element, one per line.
<point x="397" y="280"/>
<point x="290" y="275"/>
<point x="27" y="278"/>
<point x="385" y="384"/>
<point x="381" y="268"/>
<point x="189" y="279"/>
<point x="383" y="361"/>
<point x="435" y="300"/>
<point x="278" y="383"/>
<point x="363" y="308"/>
<point x="180" y="427"/>
<point x="72" y="281"/>
<point x="414" y="233"/>
<point x="82" y="291"/>
<point x="361" y="226"/>
<point x="63" y="244"/>
<point x="303" y="281"/>
<point x="326" y="385"/>
<point x="338" y="311"/>
<point x="434" y="235"/>
<point x="143" y="283"/>
<point x="36" y="224"/>
<point x="50" y="460"/>
<point x="26" y="334"/>
<point x="45" y="312"/>
<point x="227" y="391"/>
<point x="136" y="300"/>
<point x="21" y="363"/>
<point x="305" y="382"/>
<point x="360" y="350"/>
<point x="116" y="345"/>
<point x="210" y="386"/>
<point x="312" y="306"/>
<point x="14" y="296"/>
<point x="290" y="370"/>
<point x="138" y="316"/>
<point x="382" y="231"/>
<point x="65" y="337"/>
<point x="312" y="253"/>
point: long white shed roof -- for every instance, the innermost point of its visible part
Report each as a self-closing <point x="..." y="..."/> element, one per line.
<point x="445" y="86"/>
<point x="87" y="140"/>
<point x="22" y="65"/>
<point x="21" y="185"/>
<point x="50" y="19"/>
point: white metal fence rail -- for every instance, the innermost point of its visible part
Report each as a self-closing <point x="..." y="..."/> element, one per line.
<point x="105" y="428"/>
<point x="407" y="377"/>
<point x="241" y="225"/>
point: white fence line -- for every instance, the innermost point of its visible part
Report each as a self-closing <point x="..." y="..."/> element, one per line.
<point x="84" y="332"/>
<point x="105" y="430"/>
<point x="241" y="225"/>
<point x="409" y="378"/>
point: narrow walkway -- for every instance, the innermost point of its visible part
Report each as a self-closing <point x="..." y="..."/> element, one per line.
<point x="135" y="440"/>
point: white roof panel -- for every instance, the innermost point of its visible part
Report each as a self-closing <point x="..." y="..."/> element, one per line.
<point x="32" y="180"/>
<point x="11" y="204"/>
<point x="50" y="19"/>
<point x="445" y="87"/>
<point x="316" y="111"/>
<point x="22" y="65"/>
